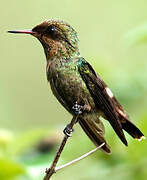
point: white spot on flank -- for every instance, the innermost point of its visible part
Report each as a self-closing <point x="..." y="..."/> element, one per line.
<point x="110" y="94"/>
<point x="142" y="137"/>
<point x="122" y="113"/>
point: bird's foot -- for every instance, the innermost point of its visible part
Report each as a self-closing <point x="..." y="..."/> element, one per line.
<point x="68" y="131"/>
<point x="77" y="108"/>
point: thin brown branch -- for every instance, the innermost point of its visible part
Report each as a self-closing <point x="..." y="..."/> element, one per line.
<point x="49" y="172"/>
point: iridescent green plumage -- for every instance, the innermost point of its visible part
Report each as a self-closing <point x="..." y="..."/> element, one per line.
<point x="74" y="81"/>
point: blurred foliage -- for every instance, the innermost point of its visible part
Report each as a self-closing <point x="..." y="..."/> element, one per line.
<point x="137" y="36"/>
<point x="9" y="169"/>
<point x="32" y="120"/>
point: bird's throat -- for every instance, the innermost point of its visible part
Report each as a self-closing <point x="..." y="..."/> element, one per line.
<point x="59" y="50"/>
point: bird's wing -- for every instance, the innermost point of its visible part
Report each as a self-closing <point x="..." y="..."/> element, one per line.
<point x="102" y="96"/>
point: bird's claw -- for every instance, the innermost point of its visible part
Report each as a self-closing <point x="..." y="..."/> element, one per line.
<point x="77" y="108"/>
<point x="68" y="131"/>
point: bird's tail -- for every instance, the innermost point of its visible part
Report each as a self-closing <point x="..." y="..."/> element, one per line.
<point x="131" y="129"/>
<point x="126" y="124"/>
<point x="95" y="131"/>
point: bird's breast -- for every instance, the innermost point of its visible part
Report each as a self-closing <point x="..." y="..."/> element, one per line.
<point x="68" y="86"/>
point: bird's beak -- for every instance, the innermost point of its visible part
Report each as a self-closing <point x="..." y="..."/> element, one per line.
<point x="22" y="31"/>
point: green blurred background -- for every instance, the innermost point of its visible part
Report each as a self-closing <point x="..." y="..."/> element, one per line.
<point x="113" y="38"/>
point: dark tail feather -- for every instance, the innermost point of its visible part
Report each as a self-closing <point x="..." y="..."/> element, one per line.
<point x="90" y="128"/>
<point x="130" y="128"/>
<point x="119" y="131"/>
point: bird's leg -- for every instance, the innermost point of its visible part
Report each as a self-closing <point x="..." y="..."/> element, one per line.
<point x="77" y="108"/>
<point x="68" y="131"/>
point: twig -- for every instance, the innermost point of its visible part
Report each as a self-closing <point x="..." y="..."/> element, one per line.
<point x="49" y="172"/>
<point x="78" y="159"/>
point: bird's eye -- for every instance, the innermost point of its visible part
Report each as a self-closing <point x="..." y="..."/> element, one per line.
<point x="52" y="31"/>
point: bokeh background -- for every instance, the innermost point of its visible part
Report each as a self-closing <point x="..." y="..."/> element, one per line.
<point x="113" y="38"/>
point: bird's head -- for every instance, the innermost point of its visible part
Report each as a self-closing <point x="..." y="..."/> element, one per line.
<point x="57" y="37"/>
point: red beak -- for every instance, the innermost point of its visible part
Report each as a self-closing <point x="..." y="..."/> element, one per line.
<point x="22" y="31"/>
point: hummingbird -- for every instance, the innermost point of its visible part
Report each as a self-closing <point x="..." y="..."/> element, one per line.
<point x="77" y="86"/>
